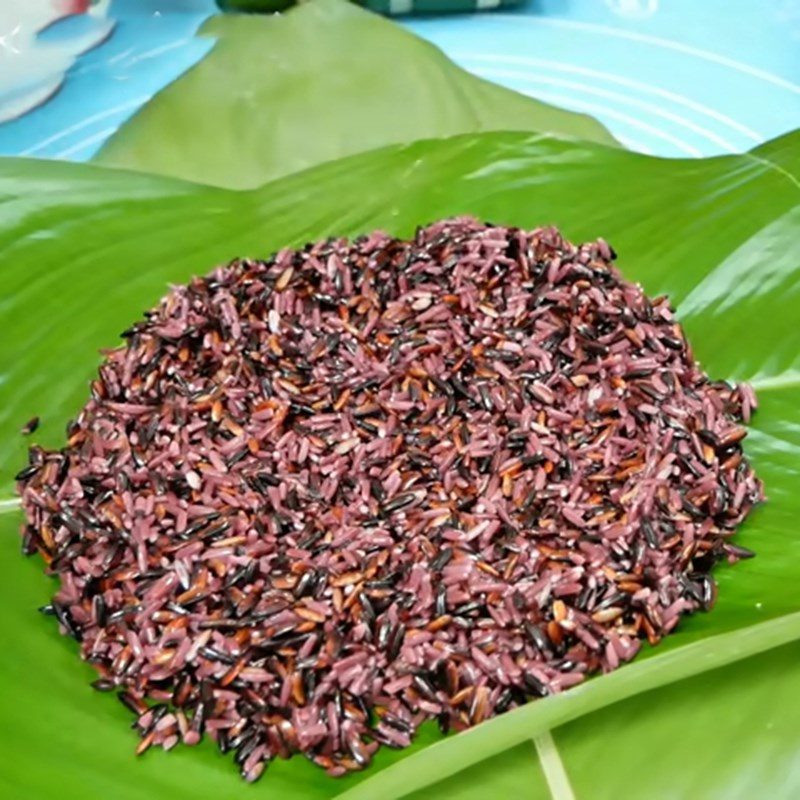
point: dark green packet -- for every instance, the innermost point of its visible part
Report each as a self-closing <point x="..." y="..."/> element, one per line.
<point x="389" y="7"/>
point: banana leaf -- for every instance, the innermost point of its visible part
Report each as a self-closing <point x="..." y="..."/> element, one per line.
<point x="87" y="248"/>
<point x="327" y="79"/>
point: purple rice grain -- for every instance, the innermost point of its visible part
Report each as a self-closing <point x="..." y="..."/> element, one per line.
<point x="318" y="500"/>
<point x="30" y="426"/>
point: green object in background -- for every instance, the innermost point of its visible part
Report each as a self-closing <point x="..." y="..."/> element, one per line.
<point x="278" y="94"/>
<point x="390" y="7"/>
<point x="86" y="249"/>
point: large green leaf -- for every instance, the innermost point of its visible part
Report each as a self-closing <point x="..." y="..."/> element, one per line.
<point x="86" y="249"/>
<point x="327" y="79"/>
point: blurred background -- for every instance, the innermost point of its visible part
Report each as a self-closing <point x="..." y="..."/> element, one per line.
<point x="676" y="78"/>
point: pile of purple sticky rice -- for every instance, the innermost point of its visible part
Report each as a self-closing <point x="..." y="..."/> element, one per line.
<point x="318" y="500"/>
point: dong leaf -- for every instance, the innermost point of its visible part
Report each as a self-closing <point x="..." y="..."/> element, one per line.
<point x="86" y="249"/>
<point x="728" y="734"/>
<point x="327" y="79"/>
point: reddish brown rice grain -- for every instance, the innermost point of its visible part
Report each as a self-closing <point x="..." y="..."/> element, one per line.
<point x="318" y="500"/>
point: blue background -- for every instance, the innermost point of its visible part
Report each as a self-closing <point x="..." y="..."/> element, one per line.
<point x="668" y="77"/>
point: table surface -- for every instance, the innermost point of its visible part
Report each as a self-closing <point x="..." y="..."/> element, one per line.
<point x="667" y="77"/>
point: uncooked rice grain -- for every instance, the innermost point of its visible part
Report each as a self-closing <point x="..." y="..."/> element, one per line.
<point x="316" y="501"/>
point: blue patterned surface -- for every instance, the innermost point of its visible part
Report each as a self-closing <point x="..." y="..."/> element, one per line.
<point x="669" y="77"/>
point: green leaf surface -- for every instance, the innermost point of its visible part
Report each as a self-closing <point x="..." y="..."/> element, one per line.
<point x="729" y="734"/>
<point x="86" y="249"/>
<point x="281" y="93"/>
